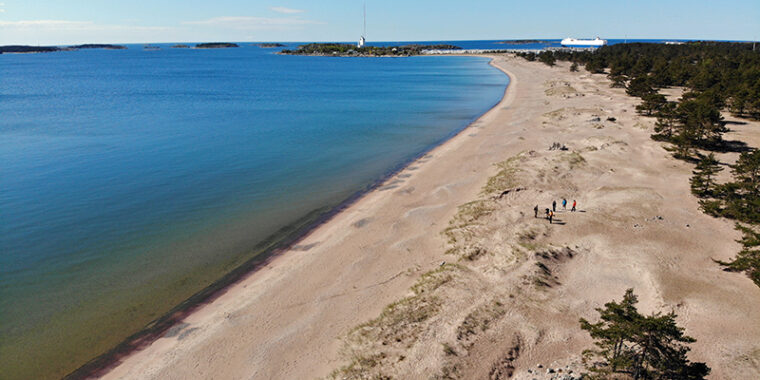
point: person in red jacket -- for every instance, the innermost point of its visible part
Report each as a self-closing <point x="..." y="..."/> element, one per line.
<point x="573" y="209"/>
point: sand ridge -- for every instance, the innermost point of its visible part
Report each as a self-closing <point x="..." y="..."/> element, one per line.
<point x="637" y="226"/>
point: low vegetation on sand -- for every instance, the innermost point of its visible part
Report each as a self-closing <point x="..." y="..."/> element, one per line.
<point x="332" y="49"/>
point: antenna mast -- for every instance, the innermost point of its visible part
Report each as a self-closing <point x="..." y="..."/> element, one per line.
<point x="362" y="39"/>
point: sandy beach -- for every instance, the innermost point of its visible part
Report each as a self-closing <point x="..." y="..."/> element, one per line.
<point x="524" y="282"/>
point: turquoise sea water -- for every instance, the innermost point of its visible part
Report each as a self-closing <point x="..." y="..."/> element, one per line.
<point x="131" y="179"/>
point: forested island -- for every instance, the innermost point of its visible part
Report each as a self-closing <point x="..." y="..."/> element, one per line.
<point x="215" y="45"/>
<point x="51" y="49"/>
<point x="180" y="46"/>
<point x="269" y="45"/>
<point x="98" y="46"/>
<point x="28" y="49"/>
<point x="348" y="50"/>
<point x="718" y="77"/>
<point x="520" y="42"/>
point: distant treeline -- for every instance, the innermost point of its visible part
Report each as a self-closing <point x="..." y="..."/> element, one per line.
<point x="518" y="42"/>
<point x="718" y="76"/>
<point x="332" y="49"/>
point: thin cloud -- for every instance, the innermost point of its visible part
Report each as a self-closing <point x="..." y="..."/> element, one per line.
<point x="66" y="25"/>
<point x="254" y="23"/>
<point x="49" y="24"/>
<point x="288" y="11"/>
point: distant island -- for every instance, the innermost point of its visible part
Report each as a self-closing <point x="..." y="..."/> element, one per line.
<point x="98" y="46"/>
<point x="520" y="42"/>
<point x="51" y="49"/>
<point x="28" y="49"/>
<point x="270" y="45"/>
<point x="180" y="46"/>
<point x="347" y="50"/>
<point x="215" y="45"/>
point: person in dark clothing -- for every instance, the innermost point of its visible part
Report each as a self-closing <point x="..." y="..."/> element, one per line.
<point x="547" y="213"/>
<point x="554" y="205"/>
<point x="535" y="211"/>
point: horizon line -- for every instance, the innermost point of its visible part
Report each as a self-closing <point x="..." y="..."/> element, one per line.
<point x="400" y="41"/>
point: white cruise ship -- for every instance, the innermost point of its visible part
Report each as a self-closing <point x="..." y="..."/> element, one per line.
<point x="573" y="42"/>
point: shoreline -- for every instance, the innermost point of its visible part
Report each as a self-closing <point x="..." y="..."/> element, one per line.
<point x="393" y="285"/>
<point x="274" y="247"/>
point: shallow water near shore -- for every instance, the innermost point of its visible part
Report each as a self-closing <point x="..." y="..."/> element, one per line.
<point x="132" y="179"/>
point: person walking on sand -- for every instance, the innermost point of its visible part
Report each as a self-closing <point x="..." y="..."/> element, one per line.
<point x="535" y="211"/>
<point x="573" y="209"/>
<point x="547" y="213"/>
<point x="554" y="205"/>
<point x="551" y="216"/>
<point x="564" y="204"/>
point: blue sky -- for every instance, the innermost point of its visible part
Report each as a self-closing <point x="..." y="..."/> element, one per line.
<point x="42" y="22"/>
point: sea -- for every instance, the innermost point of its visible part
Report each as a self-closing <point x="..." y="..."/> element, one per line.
<point x="132" y="180"/>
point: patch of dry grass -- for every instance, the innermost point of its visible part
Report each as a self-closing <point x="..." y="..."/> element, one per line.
<point x="573" y="159"/>
<point x="479" y="320"/>
<point x="400" y="322"/>
<point x="506" y="177"/>
<point x="462" y="227"/>
<point x="559" y="88"/>
<point x="362" y="368"/>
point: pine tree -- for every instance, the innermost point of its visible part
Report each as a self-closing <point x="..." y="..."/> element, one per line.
<point x="702" y="117"/>
<point x="684" y="141"/>
<point x="651" y="103"/>
<point x="574" y="67"/>
<point x="639" y="347"/>
<point x="703" y="182"/>
<point x="748" y="259"/>
<point x="618" y="80"/>
<point x="639" y="86"/>
<point x="617" y="322"/>
<point x="666" y="123"/>
<point x="547" y="58"/>
<point x="742" y="195"/>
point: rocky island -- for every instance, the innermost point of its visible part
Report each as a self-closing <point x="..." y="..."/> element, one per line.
<point x="180" y="46"/>
<point x="215" y="45"/>
<point x="347" y="50"/>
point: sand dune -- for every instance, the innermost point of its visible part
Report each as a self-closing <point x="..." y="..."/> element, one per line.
<point x="496" y="291"/>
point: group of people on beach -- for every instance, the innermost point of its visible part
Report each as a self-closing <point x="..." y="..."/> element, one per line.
<point x="550" y="212"/>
